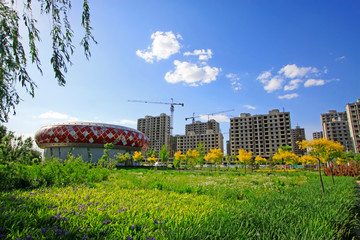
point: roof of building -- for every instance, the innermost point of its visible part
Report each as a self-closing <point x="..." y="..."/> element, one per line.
<point x="89" y="134"/>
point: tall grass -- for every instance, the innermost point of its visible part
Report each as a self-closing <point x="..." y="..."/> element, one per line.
<point x="171" y="205"/>
<point x="53" y="172"/>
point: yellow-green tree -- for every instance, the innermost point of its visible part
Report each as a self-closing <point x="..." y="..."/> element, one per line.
<point x="122" y="157"/>
<point x="178" y="159"/>
<point x="192" y="156"/>
<point x="285" y="156"/>
<point x="138" y="157"/>
<point x="152" y="159"/>
<point x="201" y="150"/>
<point x="164" y="154"/>
<point x="214" y="156"/>
<point x="323" y="150"/>
<point x="308" y="159"/>
<point x="245" y="158"/>
<point x="260" y="160"/>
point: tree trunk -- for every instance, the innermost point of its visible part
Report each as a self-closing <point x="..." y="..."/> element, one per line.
<point x="321" y="181"/>
<point x="332" y="173"/>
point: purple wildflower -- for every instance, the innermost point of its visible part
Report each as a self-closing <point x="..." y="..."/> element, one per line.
<point x="106" y="221"/>
<point x="132" y="227"/>
<point x="156" y="222"/>
<point x="130" y="238"/>
<point x="85" y="237"/>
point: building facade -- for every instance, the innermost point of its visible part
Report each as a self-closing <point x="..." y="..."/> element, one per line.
<point x="335" y="127"/>
<point x="157" y="129"/>
<point x="206" y="132"/>
<point x="318" y="135"/>
<point x="297" y="134"/>
<point x="202" y="127"/>
<point x="353" y="118"/>
<point x="261" y="134"/>
<point x="87" y="140"/>
<point x="210" y="140"/>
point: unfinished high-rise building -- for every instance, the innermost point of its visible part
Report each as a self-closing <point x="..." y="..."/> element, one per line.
<point x="318" y="135"/>
<point x="335" y="127"/>
<point x="202" y="127"/>
<point x="261" y="134"/>
<point x="353" y="118"/>
<point x="157" y="129"/>
<point x="205" y="132"/>
<point x="297" y="134"/>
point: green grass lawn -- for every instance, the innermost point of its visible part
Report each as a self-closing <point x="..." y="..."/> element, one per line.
<point x="167" y="204"/>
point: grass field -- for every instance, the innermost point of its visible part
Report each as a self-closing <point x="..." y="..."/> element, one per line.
<point x="150" y="204"/>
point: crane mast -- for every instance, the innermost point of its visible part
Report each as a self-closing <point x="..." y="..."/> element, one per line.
<point x="172" y="108"/>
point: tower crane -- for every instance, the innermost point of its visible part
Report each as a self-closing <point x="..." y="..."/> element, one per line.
<point x="209" y="114"/>
<point x="212" y="114"/>
<point x="193" y="118"/>
<point x="172" y="104"/>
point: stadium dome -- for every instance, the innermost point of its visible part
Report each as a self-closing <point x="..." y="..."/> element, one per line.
<point x="87" y="140"/>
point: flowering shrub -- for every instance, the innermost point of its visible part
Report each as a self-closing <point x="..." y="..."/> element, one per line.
<point x="350" y="169"/>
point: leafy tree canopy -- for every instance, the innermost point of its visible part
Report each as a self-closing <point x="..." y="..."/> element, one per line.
<point x="15" y="149"/>
<point x="14" y="58"/>
<point x="164" y="153"/>
<point x="215" y="156"/>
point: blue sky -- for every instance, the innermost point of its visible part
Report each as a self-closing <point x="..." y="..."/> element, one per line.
<point x="250" y="56"/>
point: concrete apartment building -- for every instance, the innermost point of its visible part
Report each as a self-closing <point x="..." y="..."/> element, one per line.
<point x="261" y="134"/>
<point x="202" y="127"/>
<point x="208" y="133"/>
<point x="353" y="118"/>
<point x="297" y="134"/>
<point x="157" y="129"/>
<point x="318" y="135"/>
<point x="335" y="127"/>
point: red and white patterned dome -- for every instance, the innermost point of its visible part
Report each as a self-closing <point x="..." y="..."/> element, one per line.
<point x="86" y="134"/>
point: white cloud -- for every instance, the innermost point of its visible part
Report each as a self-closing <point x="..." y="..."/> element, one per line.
<point x="264" y="76"/>
<point x="235" y="81"/>
<point x="126" y="122"/>
<point x="314" y="82"/>
<point x="293" y="71"/>
<point x="289" y="96"/>
<point x="218" y="118"/>
<point x="273" y="84"/>
<point x="191" y="74"/>
<point x="270" y="83"/>
<point x="340" y="58"/>
<point x="249" y="107"/>
<point x="326" y="70"/>
<point x="293" y="84"/>
<point x="203" y="55"/>
<point x="163" y="46"/>
<point x="51" y="115"/>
